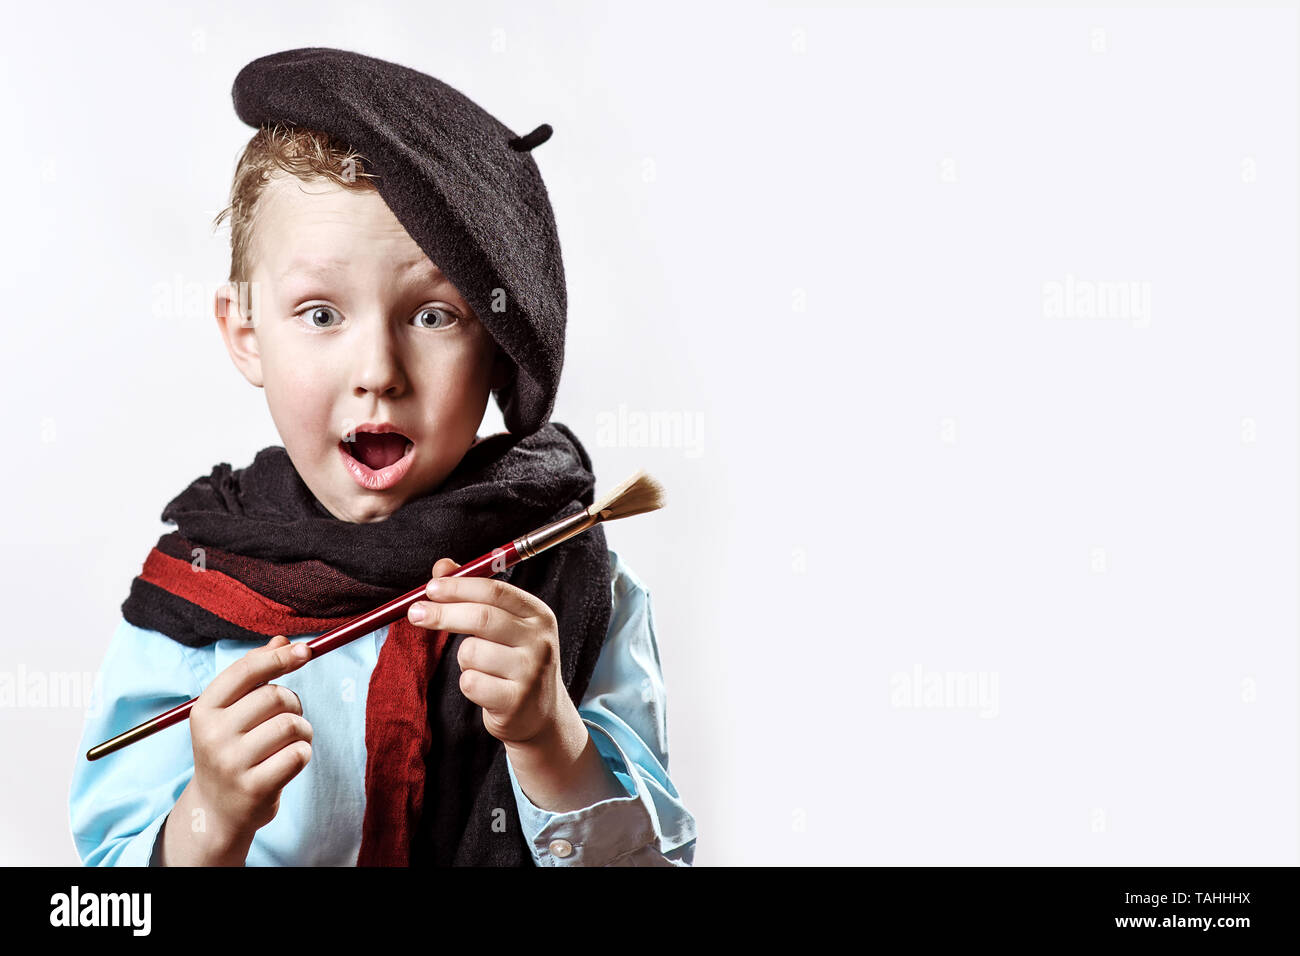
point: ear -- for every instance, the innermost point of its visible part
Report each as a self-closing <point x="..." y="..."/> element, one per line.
<point x="235" y="311"/>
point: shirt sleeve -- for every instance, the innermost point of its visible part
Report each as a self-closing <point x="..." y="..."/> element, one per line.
<point x="117" y="804"/>
<point x="625" y="711"/>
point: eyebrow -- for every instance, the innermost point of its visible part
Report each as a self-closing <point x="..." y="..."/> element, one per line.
<point x="323" y="268"/>
<point x="429" y="272"/>
<point x="314" y="267"/>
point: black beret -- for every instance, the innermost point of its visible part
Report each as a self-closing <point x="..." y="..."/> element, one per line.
<point x="463" y="186"/>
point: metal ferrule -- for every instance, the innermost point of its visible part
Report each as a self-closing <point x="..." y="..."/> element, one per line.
<point x="552" y="534"/>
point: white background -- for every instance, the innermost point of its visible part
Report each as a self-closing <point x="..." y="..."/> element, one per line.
<point x="827" y="237"/>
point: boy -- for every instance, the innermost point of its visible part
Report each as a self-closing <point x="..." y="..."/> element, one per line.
<point x="403" y="263"/>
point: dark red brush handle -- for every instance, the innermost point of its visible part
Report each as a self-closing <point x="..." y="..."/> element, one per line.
<point x="484" y="566"/>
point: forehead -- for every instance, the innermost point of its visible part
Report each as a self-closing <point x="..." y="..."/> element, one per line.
<point x="320" y="229"/>
<point x="304" y="263"/>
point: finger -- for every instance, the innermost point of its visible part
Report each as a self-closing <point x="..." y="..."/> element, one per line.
<point x="258" y="666"/>
<point x="261" y="703"/>
<point x="481" y="620"/>
<point x="492" y="658"/>
<point x="444" y="566"/>
<point x="271" y="736"/>
<point x="279" y="768"/>
<point x="509" y="598"/>
<point x="491" y="693"/>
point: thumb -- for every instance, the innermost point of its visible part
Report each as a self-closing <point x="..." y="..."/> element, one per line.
<point x="444" y="567"/>
<point x="278" y="641"/>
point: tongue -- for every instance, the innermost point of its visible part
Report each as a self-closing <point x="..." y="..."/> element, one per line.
<point x="378" y="451"/>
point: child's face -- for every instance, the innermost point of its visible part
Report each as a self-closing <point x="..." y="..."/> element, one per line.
<point x="379" y="337"/>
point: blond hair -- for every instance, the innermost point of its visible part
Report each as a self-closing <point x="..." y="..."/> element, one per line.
<point x="304" y="153"/>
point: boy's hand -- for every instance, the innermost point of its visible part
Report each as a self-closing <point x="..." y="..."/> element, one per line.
<point x="249" y="740"/>
<point x="510" y="663"/>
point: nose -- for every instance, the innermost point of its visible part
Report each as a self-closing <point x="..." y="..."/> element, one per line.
<point x="377" y="366"/>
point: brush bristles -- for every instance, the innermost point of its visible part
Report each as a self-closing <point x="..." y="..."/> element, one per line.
<point x="635" y="495"/>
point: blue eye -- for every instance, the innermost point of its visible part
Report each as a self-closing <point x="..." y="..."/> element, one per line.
<point x="317" y="316"/>
<point x="449" y="317"/>
<point x="313" y="313"/>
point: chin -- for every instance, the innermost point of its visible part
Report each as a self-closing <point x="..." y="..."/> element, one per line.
<point x="379" y="511"/>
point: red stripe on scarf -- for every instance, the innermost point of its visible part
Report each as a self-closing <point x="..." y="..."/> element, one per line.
<point x="397" y="743"/>
<point x="398" y="735"/>
<point x="227" y="598"/>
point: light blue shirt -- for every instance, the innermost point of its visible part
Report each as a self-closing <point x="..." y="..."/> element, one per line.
<point x="117" y="804"/>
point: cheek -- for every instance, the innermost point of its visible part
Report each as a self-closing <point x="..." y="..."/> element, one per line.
<point x="457" y="375"/>
<point x="298" y="398"/>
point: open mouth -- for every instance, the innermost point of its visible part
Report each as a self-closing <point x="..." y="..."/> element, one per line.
<point x="377" y="461"/>
<point x="377" y="452"/>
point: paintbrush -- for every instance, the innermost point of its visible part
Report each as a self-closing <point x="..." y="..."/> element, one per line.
<point x="635" y="495"/>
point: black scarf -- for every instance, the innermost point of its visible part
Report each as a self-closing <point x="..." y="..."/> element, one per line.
<point x="285" y="565"/>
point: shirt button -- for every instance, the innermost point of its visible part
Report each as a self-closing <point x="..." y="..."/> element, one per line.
<point x="561" y="848"/>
